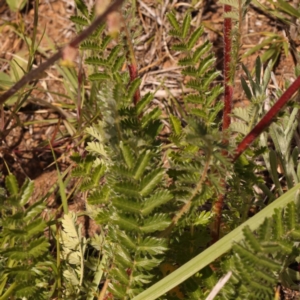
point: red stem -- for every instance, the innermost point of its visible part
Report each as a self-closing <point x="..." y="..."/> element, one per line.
<point x="227" y="67"/>
<point x="267" y="119"/>
<point x="254" y="133"/>
<point x="133" y="73"/>
<point x="226" y="115"/>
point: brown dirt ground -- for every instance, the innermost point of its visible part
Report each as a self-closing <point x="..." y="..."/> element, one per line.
<point x="26" y="149"/>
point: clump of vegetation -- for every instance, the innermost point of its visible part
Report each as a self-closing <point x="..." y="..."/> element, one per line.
<point x="172" y="209"/>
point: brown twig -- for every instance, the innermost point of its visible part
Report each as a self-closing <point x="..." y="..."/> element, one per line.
<point x="74" y="44"/>
<point x="104" y="289"/>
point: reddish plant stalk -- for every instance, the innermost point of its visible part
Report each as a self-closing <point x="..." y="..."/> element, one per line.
<point x="226" y="113"/>
<point x="132" y="66"/>
<point x="267" y="119"/>
<point x="263" y="124"/>
<point x="215" y="233"/>
<point x="73" y="44"/>
<point x="227" y="68"/>
<point x="133" y="72"/>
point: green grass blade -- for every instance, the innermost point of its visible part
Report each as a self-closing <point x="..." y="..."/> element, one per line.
<point x="216" y="250"/>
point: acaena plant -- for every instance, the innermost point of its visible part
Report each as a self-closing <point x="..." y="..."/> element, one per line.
<point x="153" y="198"/>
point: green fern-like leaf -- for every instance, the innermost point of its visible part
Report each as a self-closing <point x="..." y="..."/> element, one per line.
<point x="97" y="33"/>
<point x="259" y="262"/>
<point x="173" y="21"/>
<point x="24" y="250"/>
<point x="146" y="99"/>
<point x="82" y="7"/>
<point x="87" y="184"/>
<point x="232" y="3"/>
<point x="119" y="62"/>
<point x="103" y="217"/>
<point x="79" y="20"/>
<point x="127" y="188"/>
<point x="158" y="222"/>
<point x="115" y="51"/>
<point x="11" y="184"/>
<point x="26" y="191"/>
<point x="147" y="263"/>
<point x="186" y="25"/>
<point x="38" y="248"/>
<point x="99" y="197"/>
<point x="150" y="118"/>
<point x="105" y="42"/>
<point x="200" y="113"/>
<point x="97" y="61"/>
<point x="127" y="155"/>
<point x="205" y="64"/>
<point x="99" y="76"/>
<point x="186" y="61"/>
<point x="180" y="47"/>
<point x="97" y="173"/>
<point x="141" y="164"/>
<point x="240" y="128"/>
<point x="194" y="98"/>
<point x="196" y="85"/>
<point x="175" y="33"/>
<point x="25" y="291"/>
<point x="126" y="223"/>
<point x="90" y="45"/>
<point x="133" y="87"/>
<point x="33" y="211"/>
<point x="150" y="181"/>
<point x="251" y="240"/>
<point x="127" y="205"/>
<point x="176" y="124"/>
<point x="152" y="246"/>
<point x="78" y="171"/>
<point x="98" y="148"/>
<point x="123" y="257"/>
<point x="126" y="241"/>
<point x="34" y="227"/>
<point x="194" y="38"/>
<point x="210" y="76"/>
<point x="242" y="113"/>
<point x="232" y="15"/>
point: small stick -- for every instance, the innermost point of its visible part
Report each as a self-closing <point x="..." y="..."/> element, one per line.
<point x="73" y="44"/>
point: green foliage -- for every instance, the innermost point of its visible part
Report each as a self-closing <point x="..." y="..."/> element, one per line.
<point x="123" y="172"/>
<point x="151" y="192"/>
<point x="82" y="269"/>
<point x="134" y="195"/>
<point x="130" y="190"/>
<point x="281" y="132"/>
<point x="197" y="139"/>
<point x="263" y="258"/>
<point x="130" y="198"/>
<point x="27" y="268"/>
<point x="16" y="5"/>
<point x="201" y="103"/>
